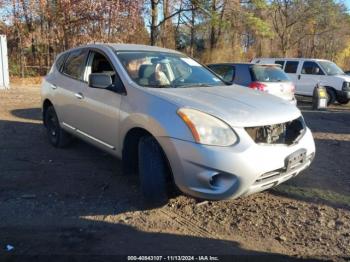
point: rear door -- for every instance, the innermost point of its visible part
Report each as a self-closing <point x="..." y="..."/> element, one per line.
<point x="243" y="74"/>
<point x="311" y="74"/>
<point x="291" y="69"/>
<point x="99" y="119"/>
<point x="67" y="86"/>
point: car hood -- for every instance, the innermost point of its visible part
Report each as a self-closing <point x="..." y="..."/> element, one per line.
<point x="236" y="105"/>
<point x="343" y="77"/>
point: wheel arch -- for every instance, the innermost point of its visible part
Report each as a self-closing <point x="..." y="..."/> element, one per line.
<point x="46" y="104"/>
<point x="330" y="88"/>
<point x="130" y="149"/>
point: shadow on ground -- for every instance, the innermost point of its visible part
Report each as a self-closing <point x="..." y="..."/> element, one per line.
<point x="103" y="241"/>
<point x="28" y="113"/>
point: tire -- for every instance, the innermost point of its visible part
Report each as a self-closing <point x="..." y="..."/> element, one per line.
<point x="342" y="100"/>
<point x="56" y="135"/>
<point x="153" y="171"/>
<point x="331" y="96"/>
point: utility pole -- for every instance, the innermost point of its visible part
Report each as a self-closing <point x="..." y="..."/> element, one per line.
<point x="4" y="68"/>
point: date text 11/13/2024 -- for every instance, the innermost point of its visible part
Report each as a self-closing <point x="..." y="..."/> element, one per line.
<point x="173" y="258"/>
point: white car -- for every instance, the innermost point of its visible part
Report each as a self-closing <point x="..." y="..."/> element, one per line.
<point x="307" y="73"/>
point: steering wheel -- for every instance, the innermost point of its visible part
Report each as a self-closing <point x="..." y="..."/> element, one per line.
<point x="177" y="80"/>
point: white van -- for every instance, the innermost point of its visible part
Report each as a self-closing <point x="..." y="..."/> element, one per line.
<point x="307" y="73"/>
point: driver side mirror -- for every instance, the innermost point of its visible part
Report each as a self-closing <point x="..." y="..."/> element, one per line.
<point x="100" y="80"/>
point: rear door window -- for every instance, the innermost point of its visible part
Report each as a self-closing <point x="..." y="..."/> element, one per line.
<point x="311" y="68"/>
<point x="75" y="64"/>
<point x="227" y="72"/>
<point x="291" y="67"/>
<point x="268" y="74"/>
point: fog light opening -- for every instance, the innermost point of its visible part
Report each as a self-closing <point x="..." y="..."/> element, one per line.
<point x="214" y="180"/>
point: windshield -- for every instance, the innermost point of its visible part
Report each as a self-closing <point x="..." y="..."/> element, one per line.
<point x="330" y="68"/>
<point x="269" y="74"/>
<point x="166" y="70"/>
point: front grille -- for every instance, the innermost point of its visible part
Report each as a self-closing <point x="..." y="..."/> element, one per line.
<point x="270" y="175"/>
<point x="286" y="133"/>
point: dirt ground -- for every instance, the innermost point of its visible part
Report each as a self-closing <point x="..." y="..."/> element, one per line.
<point x="76" y="201"/>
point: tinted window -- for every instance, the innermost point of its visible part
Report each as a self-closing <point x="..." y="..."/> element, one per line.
<point x="279" y="63"/>
<point x="227" y="72"/>
<point x="311" y="68"/>
<point x="75" y="64"/>
<point x="60" y="61"/>
<point x="291" y="67"/>
<point x="268" y="74"/>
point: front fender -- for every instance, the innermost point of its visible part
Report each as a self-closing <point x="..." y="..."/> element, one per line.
<point x="155" y="115"/>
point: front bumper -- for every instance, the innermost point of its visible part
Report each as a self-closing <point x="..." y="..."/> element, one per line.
<point x="213" y="172"/>
<point x="293" y="101"/>
<point x="343" y="94"/>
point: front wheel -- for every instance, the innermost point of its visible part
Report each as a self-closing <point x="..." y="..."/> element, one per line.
<point x="342" y="100"/>
<point x="57" y="136"/>
<point x="153" y="171"/>
<point x="330" y="96"/>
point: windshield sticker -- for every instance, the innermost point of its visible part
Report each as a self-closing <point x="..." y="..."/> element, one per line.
<point x="190" y="61"/>
<point x="216" y="79"/>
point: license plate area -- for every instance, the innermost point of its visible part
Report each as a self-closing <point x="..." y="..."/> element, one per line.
<point x="296" y="159"/>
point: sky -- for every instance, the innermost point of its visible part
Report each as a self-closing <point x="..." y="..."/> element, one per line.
<point x="347" y="3"/>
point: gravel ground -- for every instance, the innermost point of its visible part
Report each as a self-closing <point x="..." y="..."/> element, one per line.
<point x="77" y="202"/>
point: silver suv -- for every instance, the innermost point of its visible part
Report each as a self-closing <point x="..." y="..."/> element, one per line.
<point x="171" y="119"/>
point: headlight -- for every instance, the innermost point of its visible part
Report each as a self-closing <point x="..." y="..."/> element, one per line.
<point x="346" y="86"/>
<point x="207" y="129"/>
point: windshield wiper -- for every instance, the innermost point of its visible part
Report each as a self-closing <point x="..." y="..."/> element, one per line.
<point x="197" y="85"/>
<point x="158" y="86"/>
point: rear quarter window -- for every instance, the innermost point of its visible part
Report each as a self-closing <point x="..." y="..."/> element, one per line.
<point x="60" y="61"/>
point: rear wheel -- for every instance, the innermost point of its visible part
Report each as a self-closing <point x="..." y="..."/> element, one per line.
<point x="153" y="171"/>
<point x="56" y="135"/>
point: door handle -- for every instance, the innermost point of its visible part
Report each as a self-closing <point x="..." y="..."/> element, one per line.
<point x="299" y="76"/>
<point x="53" y="86"/>
<point x="79" y="95"/>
